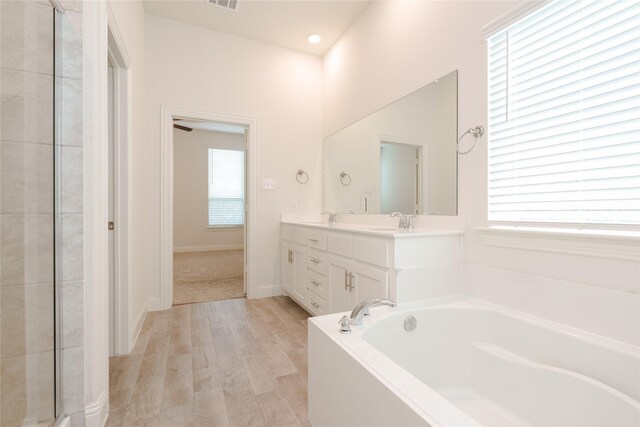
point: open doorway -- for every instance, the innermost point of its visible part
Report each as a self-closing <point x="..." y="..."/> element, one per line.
<point x="209" y="210"/>
<point x="169" y="114"/>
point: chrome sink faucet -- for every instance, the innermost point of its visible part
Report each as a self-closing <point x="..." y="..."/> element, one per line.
<point x="333" y="216"/>
<point x="406" y="221"/>
<point x="361" y="310"/>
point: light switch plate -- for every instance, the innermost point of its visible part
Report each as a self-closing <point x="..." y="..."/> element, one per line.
<point x="268" y="184"/>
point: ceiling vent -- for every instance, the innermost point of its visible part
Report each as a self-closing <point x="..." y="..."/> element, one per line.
<point x="227" y="4"/>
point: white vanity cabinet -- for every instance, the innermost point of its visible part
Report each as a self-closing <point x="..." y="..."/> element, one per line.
<point x="294" y="271"/>
<point x="329" y="270"/>
<point x="359" y="268"/>
<point x="304" y="267"/>
<point x="351" y="282"/>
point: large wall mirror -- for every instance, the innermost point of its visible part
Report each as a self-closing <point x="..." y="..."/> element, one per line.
<point x="400" y="158"/>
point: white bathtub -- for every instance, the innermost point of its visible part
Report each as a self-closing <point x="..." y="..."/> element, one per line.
<point x="468" y="363"/>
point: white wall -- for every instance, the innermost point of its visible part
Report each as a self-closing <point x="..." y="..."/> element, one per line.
<point x="197" y="69"/>
<point x="190" y="191"/>
<point x="392" y="49"/>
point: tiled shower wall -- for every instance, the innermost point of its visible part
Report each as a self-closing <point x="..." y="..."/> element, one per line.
<point x="32" y="251"/>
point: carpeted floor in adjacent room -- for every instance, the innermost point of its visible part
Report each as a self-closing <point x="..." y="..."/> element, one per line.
<point x="207" y="276"/>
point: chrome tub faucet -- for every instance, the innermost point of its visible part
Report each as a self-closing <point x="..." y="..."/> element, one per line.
<point x="361" y="310"/>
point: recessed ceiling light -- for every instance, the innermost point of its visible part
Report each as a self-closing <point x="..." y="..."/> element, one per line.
<point x="314" y="38"/>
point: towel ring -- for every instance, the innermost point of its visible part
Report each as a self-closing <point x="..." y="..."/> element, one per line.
<point x="345" y="177"/>
<point x="302" y="177"/>
<point x="477" y="131"/>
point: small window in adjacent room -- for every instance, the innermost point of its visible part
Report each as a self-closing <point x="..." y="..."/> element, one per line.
<point x="564" y="116"/>
<point x="226" y="188"/>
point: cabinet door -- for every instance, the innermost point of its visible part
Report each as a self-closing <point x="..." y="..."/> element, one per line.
<point x="300" y="274"/>
<point x="369" y="282"/>
<point x="341" y="295"/>
<point x="287" y="269"/>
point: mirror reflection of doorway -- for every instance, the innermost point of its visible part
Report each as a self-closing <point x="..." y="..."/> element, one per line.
<point x="400" y="166"/>
<point x="209" y="211"/>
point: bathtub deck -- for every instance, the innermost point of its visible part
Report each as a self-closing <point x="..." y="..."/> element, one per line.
<point x="482" y="409"/>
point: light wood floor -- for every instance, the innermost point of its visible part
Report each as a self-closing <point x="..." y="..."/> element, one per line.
<point x="223" y="363"/>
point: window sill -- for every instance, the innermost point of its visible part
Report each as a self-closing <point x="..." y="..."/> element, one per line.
<point x="622" y="245"/>
<point x="225" y="227"/>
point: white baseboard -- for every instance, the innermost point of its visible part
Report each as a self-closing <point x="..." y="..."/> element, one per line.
<point x="137" y="327"/>
<point x="63" y="422"/>
<point x="265" y="291"/>
<point x="153" y="304"/>
<point x="95" y="414"/>
<point x="209" y="248"/>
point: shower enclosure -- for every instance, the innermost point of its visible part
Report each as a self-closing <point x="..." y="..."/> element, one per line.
<point x="40" y="204"/>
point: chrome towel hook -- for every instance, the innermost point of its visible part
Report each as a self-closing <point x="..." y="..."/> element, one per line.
<point x="345" y="178"/>
<point x="477" y="131"/>
<point x="302" y="177"/>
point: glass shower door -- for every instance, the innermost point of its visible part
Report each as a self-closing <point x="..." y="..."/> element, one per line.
<point x="27" y="214"/>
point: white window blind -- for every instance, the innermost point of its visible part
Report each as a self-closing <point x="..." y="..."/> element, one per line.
<point x="564" y="115"/>
<point x="226" y="187"/>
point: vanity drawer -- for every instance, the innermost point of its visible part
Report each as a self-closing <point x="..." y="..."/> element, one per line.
<point x="317" y="261"/>
<point x="317" y="239"/>
<point x="294" y="234"/>
<point x="317" y="305"/>
<point x="340" y="244"/>
<point x="317" y="284"/>
<point x="372" y="251"/>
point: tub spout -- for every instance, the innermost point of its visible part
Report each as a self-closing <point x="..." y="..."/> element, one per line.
<point x="362" y="309"/>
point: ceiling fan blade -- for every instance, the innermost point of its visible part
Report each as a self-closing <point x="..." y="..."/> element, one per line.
<point x="182" y="127"/>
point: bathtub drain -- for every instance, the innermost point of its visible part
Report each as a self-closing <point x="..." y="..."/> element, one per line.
<point x="410" y="323"/>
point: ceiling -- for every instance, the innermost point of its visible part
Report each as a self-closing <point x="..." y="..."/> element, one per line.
<point x="285" y="23"/>
<point x="212" y="126"/>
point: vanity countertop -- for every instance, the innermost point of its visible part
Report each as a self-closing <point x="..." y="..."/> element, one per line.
<point x="376" y="230"/>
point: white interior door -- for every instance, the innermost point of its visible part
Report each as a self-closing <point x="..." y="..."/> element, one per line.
<point x="111" y="209"/>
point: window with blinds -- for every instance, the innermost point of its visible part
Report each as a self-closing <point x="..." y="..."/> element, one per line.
<point x="226" y="187"/>
<point x="564" y="115"/>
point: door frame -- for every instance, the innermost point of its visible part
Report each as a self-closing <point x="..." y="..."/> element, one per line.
<point x="124" y="336"/>
<point x="166" y="196"/>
